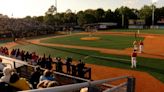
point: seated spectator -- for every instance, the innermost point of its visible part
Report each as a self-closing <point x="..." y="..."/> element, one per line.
<point x="47" y="84"/>
<point x="34" y="80"/>
<point x="5" y="87"/>
<point x="47" y="75"/>
<point x="6" y="75"/>
<point x="84" y="90"/>
<point x="1" y="65"/>
<point x="18" y="82"/>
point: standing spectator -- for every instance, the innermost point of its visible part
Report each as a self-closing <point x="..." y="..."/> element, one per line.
<point x="26" y="56"/>
<point x="18" y="53"/>
<point x="12" y="54"/>
<point x="42" y="63"/>
<point x="133" y="59"/>
<point x="6" y="52"/>
<point x="48" y="64"/>
<point x="59" y="65"/>
<point x="22" y="55"/>
<point x="80" y="67"/>
<point x="34" y="80"/>
<point x="74" y="70"/>
<point x="68" y="64"/>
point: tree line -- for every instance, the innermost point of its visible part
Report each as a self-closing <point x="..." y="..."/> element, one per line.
<point x="100" y="15"/>
<point x="88" y="16"/>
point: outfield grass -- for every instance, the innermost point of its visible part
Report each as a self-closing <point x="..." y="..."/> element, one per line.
<point x="152" y="31"/>
<point x="106" y="41"/>
<point x="152" y="66"/>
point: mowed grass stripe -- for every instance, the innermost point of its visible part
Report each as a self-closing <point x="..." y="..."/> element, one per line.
<point x="152" y="66"/>
<point x="106" y="41"/>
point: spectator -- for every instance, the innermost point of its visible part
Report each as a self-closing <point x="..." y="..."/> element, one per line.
<point x="22" y="55"/>
<point x="1" y="65"/>
<point x="6" y="75"/>
<point x="47" y="75"/>
<point x="27" y="56"/>
<point x="74" y="70"/>
<point x="18" y="82"/>
<point x="42" y="63"/>
<point x="48" y="64"/>
<point x="59" y="65"/>
<point x="18" y="54"/>
<point x="12" y="54"/>
<point x="47" y="84"/>
<point x="34" y="80"/>
<point x="80" y="67"/>
<point x="68" y="65"/>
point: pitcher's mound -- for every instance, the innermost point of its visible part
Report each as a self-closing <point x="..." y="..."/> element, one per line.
<point x="90" y="38"/>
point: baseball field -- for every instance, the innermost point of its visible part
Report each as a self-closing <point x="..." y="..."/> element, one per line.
<point x="108" y="56"/>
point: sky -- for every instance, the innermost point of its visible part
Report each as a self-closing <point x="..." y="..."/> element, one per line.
<point x="22" y="8"/>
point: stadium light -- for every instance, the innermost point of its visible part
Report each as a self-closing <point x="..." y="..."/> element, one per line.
<point x="56" y="5"/>
<point x="153" y="10"/>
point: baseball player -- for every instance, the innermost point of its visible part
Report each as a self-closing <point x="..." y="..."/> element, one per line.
<point x="133" y="59"/>
<point x="141" y="46"/>
<point x="135" y="44"/>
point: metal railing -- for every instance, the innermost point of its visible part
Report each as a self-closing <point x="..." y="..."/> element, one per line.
<point x="129" y="85"/>
<point x="78" y="83"/>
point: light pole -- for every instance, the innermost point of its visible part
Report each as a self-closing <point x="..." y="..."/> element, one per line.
<point x="56" y="5"/>
<point x="153" y="10"/>
<point x="122" y="20"/>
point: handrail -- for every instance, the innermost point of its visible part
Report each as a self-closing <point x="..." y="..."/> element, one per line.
<point x="61" y="88"/>
<point x="116" y="87"/>
<point x="25" y="63"/>
<point x="8" y="64"/>
<point x="76" y="86"/>
<point x="108" y="80"/>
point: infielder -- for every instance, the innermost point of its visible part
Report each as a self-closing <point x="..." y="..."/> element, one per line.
<point x="135" y="44"/>
<point x="141" y="46"/>
<point x="133" y="59"/>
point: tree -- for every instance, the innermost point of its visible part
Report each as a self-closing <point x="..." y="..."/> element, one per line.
<point x="51" y="10"/>
<point x="125" y="14"/>
<point x="99" y="14"/>
<point x="146" y="14"/>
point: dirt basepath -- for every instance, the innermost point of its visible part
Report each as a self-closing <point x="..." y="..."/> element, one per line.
<point x="149" y="39"/>
<point x="144" y="81"/>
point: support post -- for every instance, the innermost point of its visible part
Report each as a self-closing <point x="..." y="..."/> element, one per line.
<point x="131" y="84"/>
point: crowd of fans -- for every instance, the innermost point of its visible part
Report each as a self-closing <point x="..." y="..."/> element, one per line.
<point x="39" y="79"/>
<point x="24" y="27"/>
